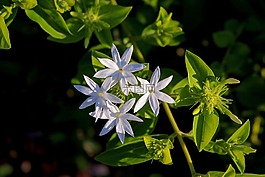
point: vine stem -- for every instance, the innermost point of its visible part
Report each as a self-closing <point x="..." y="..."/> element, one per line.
<point x="180" y="139"/>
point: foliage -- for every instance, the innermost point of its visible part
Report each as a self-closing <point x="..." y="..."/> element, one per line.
<point x="117" y="82"/>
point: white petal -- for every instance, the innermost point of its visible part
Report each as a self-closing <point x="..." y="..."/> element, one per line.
<point x="88" y="102"/>
<point x="120" y="130"/>
<point x="163" y="83"/>
<point x="107" y="127"/>
<point x="83" y="89"/>
<point x="130" y="77"/>
<point x="112" y="98"/>
<point x="112" y="107"/>
<point x="106" y="85"/>
<point x="108" y="63"/>
<point x="127" y="106"/>
<point x="104" y="73"/>
<point x="155" y="76"/>
<point x="129" y="116"/>
<point x="115" y="54"/>
<point x="124" y="86"/>
<point x="126" y="57"/>
<point x="93" y="85"/>
<point x="164" y="97"/>
<point x="134" y="67"/>
<point x="127" y="127"/>
<point x="98" y="113"/>
<point x="154" y="104"/>
<point x="141" y="102"/>
<point x="143" y="81"/>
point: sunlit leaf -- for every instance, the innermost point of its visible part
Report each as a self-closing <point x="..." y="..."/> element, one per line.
<point x="197" y="70"/>
<point x="50" y="21"/>
<point x="204" y="128"/>
<point x="130" y="153"/>
<point x="239" y="160"/>
<point x="241" y="135"/>
<point x="4" y="35"/>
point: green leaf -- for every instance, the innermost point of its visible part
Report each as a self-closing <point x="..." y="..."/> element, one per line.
<point x="243" y="148"/>
<point x="239" y="159"/>
<point x="130" y="153"/>
<point x="95" y="62"/>
<point x="223" y="38"/>
<point x="50" y="21"/>
<point x="197" y="70"/>
<point x="219" y="147"/>
<point x="104" y="36"/>
<point x="204" y="128"/>
<point x="230" y="172"/>
<point x="4" y="35"/>
<point x="113" y="14"/>
<point x="241" y="135"/>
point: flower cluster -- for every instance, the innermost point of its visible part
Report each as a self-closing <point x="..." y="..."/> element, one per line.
<point x="120" y="71"/>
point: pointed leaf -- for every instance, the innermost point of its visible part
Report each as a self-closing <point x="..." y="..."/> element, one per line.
<point x="4" y="35"/>
<point x="130" y="153"/>
<point x="204" y="128"/>
<point x="197" y="69"/>
<point x="113" y="14"/>
<point x="95" y="62"/>
<point x="104" y="36"/>
<point x="241" y="135"/>
<point x="50" y="21"/>
<point x="239" y="159"/>
<point x="230" y="172"/>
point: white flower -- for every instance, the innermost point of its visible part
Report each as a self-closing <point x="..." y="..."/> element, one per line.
<point x="98" y="96"/>
<point x="119" y="69"/>
<point x="119" y="118"/>
<point x="152" y="92"/>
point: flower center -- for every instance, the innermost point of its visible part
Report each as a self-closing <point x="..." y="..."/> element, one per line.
<point x="120" y="70"/>
<point x="118" y="115"/>
<point x="100" y="94"/>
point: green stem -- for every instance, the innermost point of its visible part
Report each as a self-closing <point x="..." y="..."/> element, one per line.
<point x="180" y="139"/>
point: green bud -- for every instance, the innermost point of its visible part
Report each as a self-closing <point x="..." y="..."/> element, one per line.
<point x="64" y="5"/>
<point x="26" y="4"/>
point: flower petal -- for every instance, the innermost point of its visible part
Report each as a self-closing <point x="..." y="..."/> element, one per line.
<point x="127" y="127"/>
<point x="124" y="86"/>
<point x="107" y="84"/>
<point x="141" y="102"/>
<point x="92" y="85"/>
<point x="107" y="127"/>
<point x="83" y="89"/>
<point x="104" y="73"/>
<point x="129" y="116"/>
<point x="130" y="77"/>
<point x="164" y="97"/>
<point x="163" y="83"/>
<point x="88" y="102"/>
<point x="155" y="76"/>
<point x="112" y="98"/>
<point x="126" y="57"/>
<point x="154" y="104"/>
<point x="115" y="54"/>
<point x="127" y="106"/>
<point x="134" y="67"/>
<point x="120" y="130"/>
<point x="108" y="63"/>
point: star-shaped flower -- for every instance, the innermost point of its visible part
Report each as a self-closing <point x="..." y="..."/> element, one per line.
<point x="119" y="68"/>
<point x="119" y="118"/>
<point x="152" y="92"/>
<point x="98" y="96"/>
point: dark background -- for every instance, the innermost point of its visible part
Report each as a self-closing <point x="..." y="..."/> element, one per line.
<point x="44" y="134"/>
